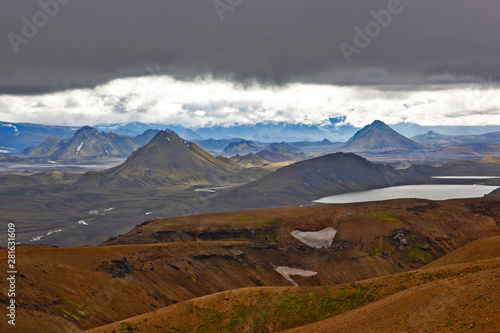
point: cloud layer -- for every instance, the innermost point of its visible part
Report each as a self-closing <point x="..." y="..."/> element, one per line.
<point x="208" y="101"/>
<point x="81" y="44"/>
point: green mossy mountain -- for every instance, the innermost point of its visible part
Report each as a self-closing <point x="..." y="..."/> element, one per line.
<point x="308" y="180"/>
<point x="378" y="136"/>
<point x="167" y="160"/>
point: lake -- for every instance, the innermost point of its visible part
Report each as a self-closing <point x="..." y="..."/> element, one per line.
<point x="466" y="177"/>
<point x="430" y="192"/>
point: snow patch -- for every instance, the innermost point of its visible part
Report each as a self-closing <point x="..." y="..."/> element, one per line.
<point x="317" y="239"/>
<point x="287" y="272"/>
<point x="12" y="126"/>
<point x="100" y="212"/>
<point x="36" y="238"/>
<point x="53" y="231"/>
<point x="79" y="147"/>
<point x="211" y="189"/>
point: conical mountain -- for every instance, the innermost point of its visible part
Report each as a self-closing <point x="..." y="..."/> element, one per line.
<point x="376" y="136"/>
<point x="166" y="160"/>
<point x="47" y="148"/>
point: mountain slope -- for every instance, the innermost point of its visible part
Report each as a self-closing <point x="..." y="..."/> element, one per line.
<point x="307" y="180"/>
<point x="88" y="142"/>
<point x="472" y="149"/>
<point x="47" y="148"/>
<point x="143" y="139"/>
<point x="249" y="160"/>
<point x="23" y="135"/>
<point x="282" y="148"/>
<point x="166" y="160"/>
<point x="241" y="146"/>
<point x="436" y="139"/>
<point x="81" y="288"/>
<point x="378" y="135"/>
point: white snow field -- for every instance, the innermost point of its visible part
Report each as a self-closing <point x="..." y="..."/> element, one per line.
<point x="317" y="239"/>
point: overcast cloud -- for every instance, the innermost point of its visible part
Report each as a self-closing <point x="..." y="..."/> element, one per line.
<point x="204" y="102"/>
<point x="436" y="53"/>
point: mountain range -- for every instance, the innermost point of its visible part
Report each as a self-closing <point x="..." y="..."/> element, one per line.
<point x="435" y="139"/>
<point x="88" y="142"/>
<point x="16" y="137"/>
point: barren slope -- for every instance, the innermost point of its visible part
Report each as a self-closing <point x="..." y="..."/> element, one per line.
<point x="204" y="254"/>
<point x="456" y="297"/>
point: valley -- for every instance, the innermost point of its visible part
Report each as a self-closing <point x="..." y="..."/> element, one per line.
<point x="247" y="239"/>
<point x="54" y="200"/>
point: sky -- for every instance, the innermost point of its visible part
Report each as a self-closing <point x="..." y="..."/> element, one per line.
<point x="204" y="62"/>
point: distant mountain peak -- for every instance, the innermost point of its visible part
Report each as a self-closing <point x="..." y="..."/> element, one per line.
<point x="378" y="135"/>
<point x="378" y="123"/>
<point x="86" y="131"/>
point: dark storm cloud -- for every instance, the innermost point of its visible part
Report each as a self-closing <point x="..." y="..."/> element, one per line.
<point x="277" y="41"/>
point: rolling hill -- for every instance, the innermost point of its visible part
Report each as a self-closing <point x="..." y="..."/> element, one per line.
<point x="166" y="160"/>
<point x="377" y="136"/>
<point x="185" y="275"/>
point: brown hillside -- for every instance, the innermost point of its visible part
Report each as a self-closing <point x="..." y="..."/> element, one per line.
<point x="455" y="297"/>
<point x="467" y="303"/>
<point x="178" y="259"/>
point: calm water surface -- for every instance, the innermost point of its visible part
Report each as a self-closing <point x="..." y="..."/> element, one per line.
<point x="430" y="192"/>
